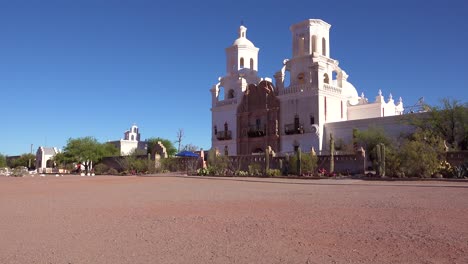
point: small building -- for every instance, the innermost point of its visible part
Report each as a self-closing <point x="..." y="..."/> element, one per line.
<point x="130" y="142"/>
<point x="45" y="159"/>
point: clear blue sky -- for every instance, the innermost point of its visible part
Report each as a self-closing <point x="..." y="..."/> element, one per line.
<point x="75" y="68"/>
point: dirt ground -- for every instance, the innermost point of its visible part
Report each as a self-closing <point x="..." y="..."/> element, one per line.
<point x="106" y="219"/>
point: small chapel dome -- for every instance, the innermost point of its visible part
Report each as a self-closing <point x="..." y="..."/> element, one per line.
<point x="350" y="93"/>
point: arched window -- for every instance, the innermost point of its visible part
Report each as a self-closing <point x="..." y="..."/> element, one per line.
<point x="325" y="78"/>
<point x="314" y="44"/>
<point x="324" y="47"/>
<point x="241" y="63"/>
<point x="251" y="64"/>
<point x="226" y="128"/>
<point x="231" y="94"/>
<point x="341" y="109"/>
<point x="133" y="137"/>
<point x="221" y="94"/>
<point x="334" y="75"/>
<point x="215" y="130"/>
<point x="300" y="78"/>
<point x="301" y="46"/>
<point x="287" y="79"/>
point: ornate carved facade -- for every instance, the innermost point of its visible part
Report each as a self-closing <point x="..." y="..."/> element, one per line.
<point x="258" y="120"/>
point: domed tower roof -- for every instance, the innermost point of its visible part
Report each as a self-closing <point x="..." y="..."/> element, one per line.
<point x="242" y="40"/>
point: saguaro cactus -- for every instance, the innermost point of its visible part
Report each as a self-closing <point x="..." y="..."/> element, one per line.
<point x="332" y="153"/>
<point x="380" y="153"/>
<point x="299" y="159"/>
<point x="267" y="159"/>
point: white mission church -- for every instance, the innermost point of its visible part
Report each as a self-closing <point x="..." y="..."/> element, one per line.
<point x="250" y="113"/>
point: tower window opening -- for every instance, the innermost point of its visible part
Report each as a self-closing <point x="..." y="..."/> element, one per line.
<point x="251" y="64"/>
<point x="326" y="79"/>
<point x="231" y="94"/>
<point x="301" y="46"/>
<point x="296" y="122"/>
<point x="241" y="63"/>
<point x="314" y="44"/>
<point x="341" y="109"/>
<point x="300" y="78"/>
<point x="324" y="47"/>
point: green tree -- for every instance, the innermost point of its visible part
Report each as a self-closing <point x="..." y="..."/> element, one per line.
<point x="86" y="149"/>
<point x="171" y="150"/>
<point x="26" y="160"/>
<point x="448" y="121"/>
<point x="2" y="161"/>
<point x="421" y="154"/>
<point x="370" y="138"/>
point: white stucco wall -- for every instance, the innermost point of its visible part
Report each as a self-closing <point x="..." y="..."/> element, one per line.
<point x="393" y="126"/>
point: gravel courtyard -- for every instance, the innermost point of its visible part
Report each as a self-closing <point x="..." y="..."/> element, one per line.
<point x="178" y="219"/>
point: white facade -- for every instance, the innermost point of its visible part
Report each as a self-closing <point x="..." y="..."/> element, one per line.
<point x="130" y="142"/>
<point x="318" y="91"/>
<point x="44" y="158"/>
<point x="241" y="70"/>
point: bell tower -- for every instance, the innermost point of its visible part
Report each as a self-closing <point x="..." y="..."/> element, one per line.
<point x="242" y="56"/>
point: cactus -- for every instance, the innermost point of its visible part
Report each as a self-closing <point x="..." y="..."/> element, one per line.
<point x="332" y="153"/>
<point x="380" y="151"/>
<point x="299" y="159"/>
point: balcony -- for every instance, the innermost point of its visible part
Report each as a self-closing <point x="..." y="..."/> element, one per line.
<point x="256" y="131"/>
<point x="291" y="129"/>
<point x="224" y="135"/>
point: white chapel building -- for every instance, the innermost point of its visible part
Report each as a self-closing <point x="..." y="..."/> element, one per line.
<point x="250" y="113"/>
<point x="130" y="142"/>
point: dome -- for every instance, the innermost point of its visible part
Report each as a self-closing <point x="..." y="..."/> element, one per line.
<point x="350" y="93"/>
<point x="243" y="42"/>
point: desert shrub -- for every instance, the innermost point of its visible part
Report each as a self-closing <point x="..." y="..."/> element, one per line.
<point x="392" y="162"/>
<point x="460" y="171"/>
<point x="421" y="154"/>
<point x="171" y="165"/>
<point x="308" y="163"/>
<point x="255" y="170"/>
<point x="101" y="169"/>
<point x="241" y="173"/>
<point x="202" y="172"/>
<point x="273" y="173"/>
<point x="445" y="169"/>
<point x="112" y="171"/>
<point x="19" y="171"/>
<point x="217" y="164"/>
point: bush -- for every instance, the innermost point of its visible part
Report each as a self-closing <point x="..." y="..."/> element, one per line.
<point x="255" y="170"/>
<point x="202" y="172"/>
<point x="101" y="169"/>
<point x="273" y="173"/>
<point x="460" y="171"/>
<point x="421" y="155"/>
<point x="112" y="171"/>
<point x="308" y="164"/>
<point x="19" y="171"/>
<point x="241" y="173"/>
<point x="217" y="165"/>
